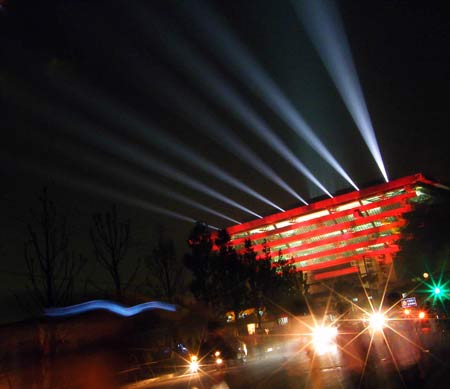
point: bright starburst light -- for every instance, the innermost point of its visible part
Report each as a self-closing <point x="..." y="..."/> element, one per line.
<point x="436" y="290"/>
<point x="380" y="327"/>
<point x="377" y="321"/>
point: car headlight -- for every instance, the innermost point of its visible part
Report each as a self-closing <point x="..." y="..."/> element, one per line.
<point x="193" y="366"/>
<point x="324" y="339"/>
<point x="324" y="334"/>
<point x="377" y="321"/>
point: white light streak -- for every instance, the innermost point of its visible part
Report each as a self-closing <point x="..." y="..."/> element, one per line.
<point x="134" y="154"/>
<point x="145" y="182"/>
<point x="128" y="151"/>
<point x="152" y="134"/>
<point x="206" y="121"/>
<point x="214" y="85"/>
<point x="232" y="52"/>
<point x="324" y="26"/>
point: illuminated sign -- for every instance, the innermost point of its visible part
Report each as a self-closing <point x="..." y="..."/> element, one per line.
<point x="409" y="302"/>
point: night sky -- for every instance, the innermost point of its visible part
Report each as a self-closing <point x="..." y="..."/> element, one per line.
<point x="80" y="79"/>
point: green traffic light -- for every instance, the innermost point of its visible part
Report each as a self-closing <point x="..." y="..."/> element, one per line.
<point x="436" y="290"/>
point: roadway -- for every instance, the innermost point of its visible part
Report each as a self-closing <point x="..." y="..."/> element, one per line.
<point x="297" y="370"/>
<point x="270" y="372"/>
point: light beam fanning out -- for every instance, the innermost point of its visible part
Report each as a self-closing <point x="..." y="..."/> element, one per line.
<point x="133" y="201"/>
<point x="324" y="26"/>
<point x="135" y="154"/>
<point x="140" y="180"/>
<point x="152" y="134"/>
<point x="80" y="128"/>
<point x="232" y="52"/>
<point x="213" y="84"/>
<point x="125" y="150"/>
<point x="204" y="120"/>
<point x="87" y="185"/>
<point x="223" y="136"/>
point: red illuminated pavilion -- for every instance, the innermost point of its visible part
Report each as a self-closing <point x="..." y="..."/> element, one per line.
<point x="356" y="232"/>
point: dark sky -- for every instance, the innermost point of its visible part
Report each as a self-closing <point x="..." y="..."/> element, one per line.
<point x="77" y="72"/>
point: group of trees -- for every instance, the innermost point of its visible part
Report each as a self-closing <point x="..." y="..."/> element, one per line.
<point x="54" y="268"/>
<point x="221" y="278"/>
<point x="227" y="280"/>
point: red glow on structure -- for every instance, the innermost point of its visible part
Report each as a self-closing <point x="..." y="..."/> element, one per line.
<point x="344" y="230"/>
<point x="337" y="227"/>
<point x="331" y="216"/>
<point x="323" y="265"/>
<point x="331" y="203"/>
<point x="344" y="248"/>
<point x="336" y="273"/>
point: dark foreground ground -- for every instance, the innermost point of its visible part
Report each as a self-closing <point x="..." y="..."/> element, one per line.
<point x="278" y="371"/>
<point x="286" y="367"/>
